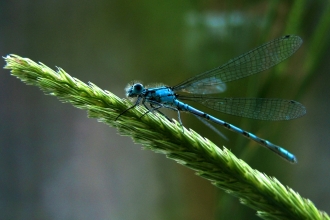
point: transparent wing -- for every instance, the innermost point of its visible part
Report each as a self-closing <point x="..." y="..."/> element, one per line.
<point x="256" y="108"/>
<point x="204" y="87"/>
<point x="254" y="61"/>
<point x="212" y="127"/>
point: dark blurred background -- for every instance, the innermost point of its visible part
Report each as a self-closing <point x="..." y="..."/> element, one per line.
<point x="55" y="163"/>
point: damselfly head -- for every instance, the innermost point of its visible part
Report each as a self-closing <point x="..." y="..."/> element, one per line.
<point x="134" y="90"/>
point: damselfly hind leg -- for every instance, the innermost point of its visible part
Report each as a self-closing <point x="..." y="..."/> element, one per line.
<point x="160" y="105"/>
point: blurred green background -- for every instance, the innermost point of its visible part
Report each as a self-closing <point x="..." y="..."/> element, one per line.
<point x="55" y="163"/>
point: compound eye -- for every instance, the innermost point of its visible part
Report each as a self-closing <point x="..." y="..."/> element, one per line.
<point x="138" y="87"/>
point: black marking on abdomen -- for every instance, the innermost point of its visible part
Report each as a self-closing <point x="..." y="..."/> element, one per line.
<point x="246" y="134"/>
<point x="262" y="141"/>
<point x="227" y="125"/>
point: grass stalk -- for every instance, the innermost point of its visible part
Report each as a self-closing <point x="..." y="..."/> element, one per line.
<point x="254" y="189"/>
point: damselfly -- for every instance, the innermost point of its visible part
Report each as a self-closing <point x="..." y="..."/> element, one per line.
<point x="200" y="86"/>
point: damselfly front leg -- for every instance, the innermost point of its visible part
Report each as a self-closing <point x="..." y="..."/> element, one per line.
<point x="133" y="106"/>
